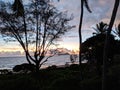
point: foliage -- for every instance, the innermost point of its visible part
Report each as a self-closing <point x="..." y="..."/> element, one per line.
<point x="24" y="67"/>
<point x="57" y="79"/>
<point x="100" y="28"/>
<point x="18" y="8"/>
<point x="36" y="26"/>
<point x="107" y="43"/>
<point x="95" y="45"/>
<point x="85" y="3"/>
<point x="117" y="30"/>
<point x="93" y="50"/>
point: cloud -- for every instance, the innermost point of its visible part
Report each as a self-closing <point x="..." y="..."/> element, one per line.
<point x="72" y="36"/>
<point x="9" y="54"/>
<point x="101" y="11"/>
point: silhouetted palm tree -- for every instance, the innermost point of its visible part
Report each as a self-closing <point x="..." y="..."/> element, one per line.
<point x="83" y="3"/>
<point x="18" y="8"/>
<point x="100" y="28"/>
<point x="117" y="30"/>
<point x="115" y="9"/>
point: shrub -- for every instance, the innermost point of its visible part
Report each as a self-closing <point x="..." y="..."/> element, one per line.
<point x="24" y="67"/>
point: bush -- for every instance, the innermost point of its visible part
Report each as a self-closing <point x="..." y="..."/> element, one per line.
<point x="52" y="67"/>
<point x="24" y="67"/>
<point x="74" y="66"/>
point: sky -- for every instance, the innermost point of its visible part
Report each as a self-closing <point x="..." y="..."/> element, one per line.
<point x="101" y="11"/>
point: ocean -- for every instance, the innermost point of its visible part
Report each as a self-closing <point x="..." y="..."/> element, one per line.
<point x="10" y="62"/>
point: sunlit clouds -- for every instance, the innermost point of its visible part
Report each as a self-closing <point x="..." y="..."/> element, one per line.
<point x="101" y="11"/>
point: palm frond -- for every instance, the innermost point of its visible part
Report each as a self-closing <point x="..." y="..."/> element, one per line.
<point x="87" y="6"/>
<point x="18" y="8"/>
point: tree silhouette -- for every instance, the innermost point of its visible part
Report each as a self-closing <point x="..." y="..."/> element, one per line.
<point x="83" y="3"/>
<point x="93" y="50"/>
<point x="117" y="30"/>
<point x="18" y="7"/>
<point x="106" y="49"/>
<point x="100" y="28"/>
<point x="36" y="27"/>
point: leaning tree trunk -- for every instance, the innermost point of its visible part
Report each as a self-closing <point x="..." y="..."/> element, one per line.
<point x="107" y="43"/>
<point x="80" y="34"/>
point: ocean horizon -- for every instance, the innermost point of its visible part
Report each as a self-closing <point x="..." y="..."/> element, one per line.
<point x="10" y="62"/>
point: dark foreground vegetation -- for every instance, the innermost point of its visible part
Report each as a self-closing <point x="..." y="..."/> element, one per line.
<point x="40" y="24"/>
<point x="68" y="78"/>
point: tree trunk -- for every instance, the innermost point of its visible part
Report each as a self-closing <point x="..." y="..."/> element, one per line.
<point x="26" y="53"/>
<point x="80" y="35"/>
<point x="37" y="67"/>
<point x="105" y="53"/>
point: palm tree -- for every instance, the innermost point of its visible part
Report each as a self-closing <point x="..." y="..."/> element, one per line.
<point x="114" y="13"/>
<point x="18" y="8"/>
<point x="117" y="30"/>
<point x="100" y="28"/>
<point x="83" y="3"/>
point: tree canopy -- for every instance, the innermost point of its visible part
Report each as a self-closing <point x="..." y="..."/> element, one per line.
<point x="36" y="26"/>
